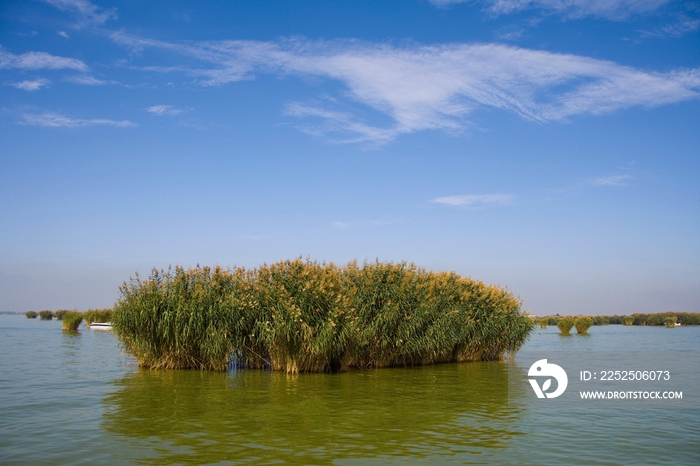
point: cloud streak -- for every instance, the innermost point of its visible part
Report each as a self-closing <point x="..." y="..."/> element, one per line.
<point x="614" y="180"/>
<point x="54" y="120"/>
<point x="678" y="28"/>
<point x="86" y="80"/>
<point x="609" y="9"/>
<point x="162" y="110"/>
<point x="88" y="13"/>
<point x="474" y="200"/>
<point x="38" y="61"/>
<point x="340" y="123"/>
<point x="435" y="87"/>
<point x="31" y="86"/>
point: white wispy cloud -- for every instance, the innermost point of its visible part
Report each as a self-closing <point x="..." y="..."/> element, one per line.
<point x="31" y="86"/>
<point x="614" y="180"/>
<point x="88" y="13"/>
<point x="54" y="120"/>
<point x="340" y="225"/>
<point x="340" y="123"/>
<point x="610" y="9"/>
<point x="510" y="33"/>
<point x="682" y="25"/>
<point x="86" y="80"/>
<point x="39" y="60"/>
<point x="626" y="166"/>
<point x="434" y="87"/>
<point x="474" y="200"/>
<point x="63" y="34"/>
<point x="161" y="110"/>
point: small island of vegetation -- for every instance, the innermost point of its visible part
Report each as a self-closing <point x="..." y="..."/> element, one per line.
<point x="71" y="321"/>
<point x="302" y="316"/>
<point x="565" y="325"/>
<point x="582" y="324"/>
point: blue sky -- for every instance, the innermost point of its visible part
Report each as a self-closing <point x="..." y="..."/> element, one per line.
<point x="549" y="146"/>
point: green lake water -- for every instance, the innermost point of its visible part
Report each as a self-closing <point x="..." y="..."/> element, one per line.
<point x="76" y="399"/>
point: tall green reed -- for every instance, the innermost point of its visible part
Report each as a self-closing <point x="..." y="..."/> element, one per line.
<point x="303" y="316"/>
<point x="182" y="319"/>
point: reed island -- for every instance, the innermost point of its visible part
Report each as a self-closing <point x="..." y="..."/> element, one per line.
<point x="303" y="316"/>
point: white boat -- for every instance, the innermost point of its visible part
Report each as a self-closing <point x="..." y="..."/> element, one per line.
<point x="101" y="326"/>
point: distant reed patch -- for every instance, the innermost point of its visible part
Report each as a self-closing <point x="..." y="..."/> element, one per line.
<point x="45" y="315"/>
<point x="565" y="324"/>
<point x="71" y="321"/>
<point x="302" y="316"/>
<point x="31" y="314"/>
<point x="582" y="324"/>
<point x="601" y="320"/>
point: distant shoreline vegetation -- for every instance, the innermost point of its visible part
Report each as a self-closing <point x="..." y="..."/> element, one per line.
<point x="72" y="319"/>
<point x="661" y="318"/>
<point x="302" y="316"/>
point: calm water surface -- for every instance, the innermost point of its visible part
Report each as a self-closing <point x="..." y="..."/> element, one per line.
<point x="75" y="398"/>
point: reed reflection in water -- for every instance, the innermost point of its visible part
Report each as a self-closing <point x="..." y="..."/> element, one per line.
<point x="444" y="412"/>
